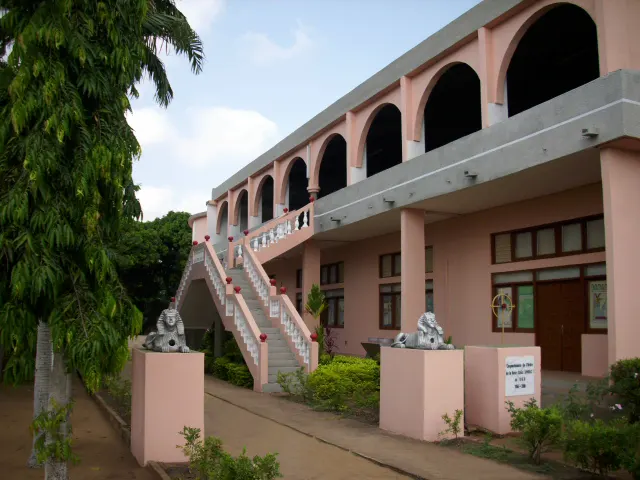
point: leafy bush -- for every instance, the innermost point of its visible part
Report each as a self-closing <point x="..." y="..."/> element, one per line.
<point x="625" y="376"/>
<point x="541" y="428"/>
<point x="239" y="375"/>
<point x="345" y="383"/>
<point x="596" y="446"/>
<point x="209" y="461"/>
<point x="220" y="368"/>
<point x="296" y="384"/>
<point x="325" y="359"/>
<point x="453" y="425"/>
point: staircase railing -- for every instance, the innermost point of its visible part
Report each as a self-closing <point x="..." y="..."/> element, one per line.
<point x="281" y="234"/>
<point x="233" y="310"/>
<point x="279" y="309"/>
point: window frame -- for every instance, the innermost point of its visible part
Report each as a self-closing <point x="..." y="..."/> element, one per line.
<point x="395" y="297"/>
<point x="557" y="227"/>
<point x="393" y="256"/>
<point x="515" y="328"/>
<point x="328" y="267"/>
<point x="426" y="249"/>
<point x="299" y="278"/>
<point x="324" y="317"/>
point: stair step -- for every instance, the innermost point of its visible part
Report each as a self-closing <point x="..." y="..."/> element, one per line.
<point x="275" y="370"/>
<point x="270" y="330"/>
<point x="278" y="348"/>
<point x="282" y="364"/>
<point x="280" y="356"/>
<point x="271" y="388"/>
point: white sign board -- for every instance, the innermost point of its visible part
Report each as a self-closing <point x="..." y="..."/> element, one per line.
<point x="519" y="376"/>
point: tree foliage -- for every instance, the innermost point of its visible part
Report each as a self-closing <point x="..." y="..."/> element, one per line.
<point x="66" y="154"/>
<point x="151" y="259"/>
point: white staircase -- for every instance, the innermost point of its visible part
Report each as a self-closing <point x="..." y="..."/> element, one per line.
<point x="281" y="358"/>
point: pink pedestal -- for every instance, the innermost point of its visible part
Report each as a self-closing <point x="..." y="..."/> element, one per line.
<point x="417" y="387"/>
<point x="167" y="395"/>
<point x="486" y="389"/>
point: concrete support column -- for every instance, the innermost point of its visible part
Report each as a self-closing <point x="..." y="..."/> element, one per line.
<point x="212" y="221"/>
<point x="618" y="35"/>
<point x="621" y="200"/>
<point x="310" y="275"/>
<point x="313" y="192"/>
<point x="413" y="266"/>
<point x="218" y="335"/>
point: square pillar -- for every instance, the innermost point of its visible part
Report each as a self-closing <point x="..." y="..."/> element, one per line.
<point x="310" y="275"/>
<point x="167" y="394"/>
<point x="621" y="201"/>
<point x="413" y="267"/>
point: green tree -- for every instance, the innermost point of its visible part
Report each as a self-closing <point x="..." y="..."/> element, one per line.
<point x="316" y="304"/>
<point x="66" y="154"/>
<point x="151" y="259"/>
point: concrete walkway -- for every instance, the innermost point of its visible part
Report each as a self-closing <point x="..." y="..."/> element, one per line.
<point x="323" y="445"/>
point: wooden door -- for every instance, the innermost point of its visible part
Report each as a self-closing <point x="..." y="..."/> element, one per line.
<point x="560" y="316"/>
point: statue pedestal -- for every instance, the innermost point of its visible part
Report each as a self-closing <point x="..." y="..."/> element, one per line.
<point x="417" y="387"/>
<point x="167" y="394"/>
<point x="495" y="375"/>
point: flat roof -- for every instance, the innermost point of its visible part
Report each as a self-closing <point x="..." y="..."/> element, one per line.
<point x="461" y="28"/>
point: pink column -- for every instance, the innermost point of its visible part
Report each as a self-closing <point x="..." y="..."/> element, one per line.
<point x="618" y="37"/>
<point x="413" y="267"/>
<point x="310" y="275"/>
<point x="621" y="198"/>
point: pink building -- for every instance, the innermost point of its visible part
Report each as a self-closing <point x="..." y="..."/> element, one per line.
<point x="499" y="156"/>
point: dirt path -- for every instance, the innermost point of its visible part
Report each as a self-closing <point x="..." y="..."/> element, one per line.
<point x="103" y="455"/>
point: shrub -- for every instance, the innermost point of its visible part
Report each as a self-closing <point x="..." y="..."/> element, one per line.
<point x="325" y="359"/>
<point x="596" y="446"/>
<point x="345" y="383"/>
<point x="239" y="375"/>
<point x="541" y="428"/>
<point x="120" y="390"/>
<point x="220" y="368"/>
<point x="625" y="377"/>
<point x="295" y="384"/>
<point x="209" y="461"/>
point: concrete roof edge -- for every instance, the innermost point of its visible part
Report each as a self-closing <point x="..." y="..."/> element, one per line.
<point x="456" y="31"/>
<point x="195" y="217"/>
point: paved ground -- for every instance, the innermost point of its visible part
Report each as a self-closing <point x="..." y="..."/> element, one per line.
<point x="102" y="452"/>
<point x="241" y="417"/>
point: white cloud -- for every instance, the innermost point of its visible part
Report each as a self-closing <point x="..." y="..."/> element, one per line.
<point x="201" y="13"/>
<point x="264" y="51"/>
<point x="157" y="201"/>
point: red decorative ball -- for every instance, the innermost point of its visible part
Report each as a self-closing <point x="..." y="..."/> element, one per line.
<point x="311" y="199"/>
<point x="273" y="282"/>
<point x="195" y="242"/>
<point x="173" y="299"/>
<point x="206" y="238"/>
<point x="283" y="290"/>
<point x="285" y="209"/>
<point x="263" y="337"/>
<point x="230" y="239"/>
<point x="228" y="280"/>
<point x="246" y="232"/>
<point x="314" y="336"/>
<point x="237" y="289"/>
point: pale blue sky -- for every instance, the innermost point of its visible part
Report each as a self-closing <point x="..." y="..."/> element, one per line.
<point x="271" y="66"/>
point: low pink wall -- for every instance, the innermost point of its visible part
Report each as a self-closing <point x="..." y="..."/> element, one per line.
<point x="167" y="394"/>
<point x="417" y="387"/>
<point x="199" y="229"/>
<point x="595" y="355"/>
<point x="485" y="389"/>
<point x="462" y="269"/>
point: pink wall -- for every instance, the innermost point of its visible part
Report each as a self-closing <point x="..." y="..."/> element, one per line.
<point x="462" y="269"/>
<point x="199" y="229"/>
<point x="594" y="355"/>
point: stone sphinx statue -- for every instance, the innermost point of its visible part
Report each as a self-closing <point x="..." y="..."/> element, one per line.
<point x="170" y="335"/>
<point x="428" y="337"/>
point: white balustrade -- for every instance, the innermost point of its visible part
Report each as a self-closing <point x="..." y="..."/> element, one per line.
<point x="245" y="332"/>
<point x="259" y="284"/>
<point x="274" y="308"/>
<point x="297" y="337"/>
<point x="305" y="220"/>
<point x="183" y="280"/>
<point x="218" y="283"/>
<point x="280" y="229"/>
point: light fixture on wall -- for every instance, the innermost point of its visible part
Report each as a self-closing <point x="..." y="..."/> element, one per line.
<point x="590" y="132"/>
<point x="470" y="174"/>
<point x="338" y="219"/>
<point x="389" y="201"/>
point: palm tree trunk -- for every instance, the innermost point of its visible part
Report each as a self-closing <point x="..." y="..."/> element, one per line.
<point x="44" y="357"/>
<point x="59" y="390"/>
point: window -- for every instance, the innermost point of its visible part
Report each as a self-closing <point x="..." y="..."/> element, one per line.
<point x="333" y="315"/>
<point x="332" y="273"/>
<point x="428" y="260"/>
<point x="428" y="300"/>
<point x="299" y="305"/>
<point x="519" y="287"/>
<point x="299" y="278"/>
<point x="597" y="304"/>
<point x="390" y="265"/>
<point x="390" y="312"/>
<point x="565" y="238"/>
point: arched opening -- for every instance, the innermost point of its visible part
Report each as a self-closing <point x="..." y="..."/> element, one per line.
<point x="223" y="220"/>
<point x="297" y="186"/>
<point x="384" y="140"/>
<point x="558" y="53"/>
<point x="333" y="167"/>
<point x="243" y="210"/>
<point x="454" y="107"/>
<point x="266" y="200"/>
